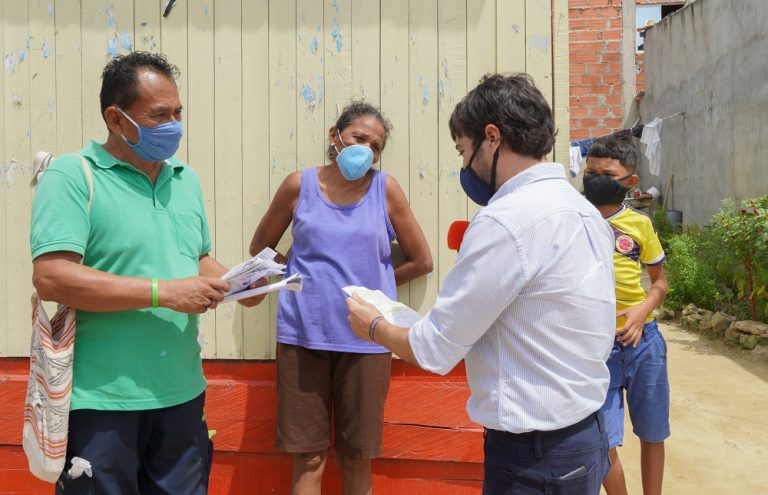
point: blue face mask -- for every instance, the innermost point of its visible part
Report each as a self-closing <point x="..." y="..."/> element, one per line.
<point x="478" y="190"/>
<point x="157" y="143"/>
<point x="354" y="160"/>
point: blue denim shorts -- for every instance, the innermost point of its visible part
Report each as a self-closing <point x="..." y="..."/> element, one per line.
<point x="640" y="373"/>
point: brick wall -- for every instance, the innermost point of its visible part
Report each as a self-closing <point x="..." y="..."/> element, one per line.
<point x="595" y="66"/>
<point x="596" y="33"/>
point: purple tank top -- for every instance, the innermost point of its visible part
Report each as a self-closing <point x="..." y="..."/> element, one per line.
<point x="335" y="246"/>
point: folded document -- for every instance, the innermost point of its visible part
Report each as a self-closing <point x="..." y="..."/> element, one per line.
<point x="394" y="312"/>
<point x="263" y="265"/>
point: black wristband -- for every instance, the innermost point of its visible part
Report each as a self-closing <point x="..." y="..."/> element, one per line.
<point x="372" y="328"/>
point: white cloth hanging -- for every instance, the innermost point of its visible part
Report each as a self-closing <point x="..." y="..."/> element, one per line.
<point x="575" y="160"/>
<point x="652" y="139"/>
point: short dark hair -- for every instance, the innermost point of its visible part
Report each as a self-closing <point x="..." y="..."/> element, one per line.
<point x="514" y="105"/>
<point x="360" y="108"/>
<point x="118" y="85"/>
<point x="621" y="148"/>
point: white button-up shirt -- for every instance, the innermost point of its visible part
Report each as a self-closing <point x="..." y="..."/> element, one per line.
<point x="529" y="305"/>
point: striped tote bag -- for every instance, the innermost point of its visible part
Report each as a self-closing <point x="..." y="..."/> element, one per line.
<point x="46" y="413"/>
<point x="49" y="391"/>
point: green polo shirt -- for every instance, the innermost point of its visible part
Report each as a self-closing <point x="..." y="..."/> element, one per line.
<point x="140" y="359"/>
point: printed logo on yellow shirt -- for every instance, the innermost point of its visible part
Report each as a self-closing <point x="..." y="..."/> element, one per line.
<point x="635" y="244"/>
<point x="624" y="244"/>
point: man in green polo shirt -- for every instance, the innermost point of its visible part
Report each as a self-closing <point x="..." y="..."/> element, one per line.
<point x="138" y="387"/>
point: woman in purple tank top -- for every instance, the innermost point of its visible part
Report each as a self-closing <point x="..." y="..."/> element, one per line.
<point x="345" y="216"/>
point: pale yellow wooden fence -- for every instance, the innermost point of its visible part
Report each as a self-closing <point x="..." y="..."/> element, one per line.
<point x="261" y="82"/>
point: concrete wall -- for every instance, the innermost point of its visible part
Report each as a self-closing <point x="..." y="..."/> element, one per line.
<point x="709" y="60"/>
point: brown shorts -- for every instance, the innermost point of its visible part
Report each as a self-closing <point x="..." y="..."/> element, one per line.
<point x="314" y="386"/>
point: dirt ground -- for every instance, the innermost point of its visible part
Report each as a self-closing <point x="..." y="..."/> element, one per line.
<point x="719" y="421"/>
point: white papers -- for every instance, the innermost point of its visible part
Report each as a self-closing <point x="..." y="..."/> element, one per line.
<point x="260" y="266"/>
<point x="295" y="283"/>
<point x="394" y="312"/>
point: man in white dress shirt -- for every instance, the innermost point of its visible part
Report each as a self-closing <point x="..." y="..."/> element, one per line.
<point x="529" y="304"/>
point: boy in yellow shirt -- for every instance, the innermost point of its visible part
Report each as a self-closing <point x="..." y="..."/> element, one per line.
<point x="638" y="360"/>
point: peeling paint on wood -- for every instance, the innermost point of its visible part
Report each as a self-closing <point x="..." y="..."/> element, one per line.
<point x="279" y="74"/>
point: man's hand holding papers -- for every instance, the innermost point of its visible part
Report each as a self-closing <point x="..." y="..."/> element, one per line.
<point x="244" y="279"/>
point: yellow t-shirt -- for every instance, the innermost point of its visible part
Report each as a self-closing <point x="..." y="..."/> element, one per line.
<point x="635" y="244"/>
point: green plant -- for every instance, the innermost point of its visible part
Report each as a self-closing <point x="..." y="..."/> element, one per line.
<point x="742" y="235"/>
<point x="692" y="278"/>
<point x="723" y="266"/>
<point x="664" y="228"/>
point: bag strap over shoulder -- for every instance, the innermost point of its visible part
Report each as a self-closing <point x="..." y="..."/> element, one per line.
<point x="89" y="177"/>
<point x="40" y="164"/>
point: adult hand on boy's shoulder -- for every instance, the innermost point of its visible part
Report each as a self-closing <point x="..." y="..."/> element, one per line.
<point x="632" y="331"/>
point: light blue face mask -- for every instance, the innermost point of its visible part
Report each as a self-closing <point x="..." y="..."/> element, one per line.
<point x="157" y="143"/>
<point x="354" y="160"/>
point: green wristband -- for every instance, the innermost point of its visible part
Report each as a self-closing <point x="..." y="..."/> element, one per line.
<point x="155" y="295"/>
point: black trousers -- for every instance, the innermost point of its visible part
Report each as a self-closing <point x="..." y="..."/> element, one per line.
<point x="569" y="461"/>
<point x="158" y="451"/>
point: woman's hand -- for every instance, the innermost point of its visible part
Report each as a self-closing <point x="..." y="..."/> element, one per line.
<point x="253" y="301"/>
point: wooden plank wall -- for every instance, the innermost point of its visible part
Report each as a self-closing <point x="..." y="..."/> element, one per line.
<point x="261" y="82"/>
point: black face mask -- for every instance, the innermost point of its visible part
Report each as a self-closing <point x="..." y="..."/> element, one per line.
<point x="604" y="190"/>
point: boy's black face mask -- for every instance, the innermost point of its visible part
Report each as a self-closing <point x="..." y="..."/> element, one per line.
<point x="604" y="190"/>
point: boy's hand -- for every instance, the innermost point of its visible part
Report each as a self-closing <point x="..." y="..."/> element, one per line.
<point x="632" y="331"/>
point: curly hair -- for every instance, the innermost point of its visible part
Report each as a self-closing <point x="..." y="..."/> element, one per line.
<point x="357" y="109"/>
<point x="514" y="105"/>
<point x="118" y="85"/>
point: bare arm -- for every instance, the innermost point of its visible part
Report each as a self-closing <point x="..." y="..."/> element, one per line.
<point x="659" y="287"/>
<point x="209" y="267"/>
<point x="394" y="338"/>
<point x="418" y="258"/>
<point x="60" y="277"/>
<point x="278" y="216"/>
<point x="636" y="315"/>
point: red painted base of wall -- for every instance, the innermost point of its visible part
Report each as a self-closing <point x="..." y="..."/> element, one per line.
<point x="430" y="446"/>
